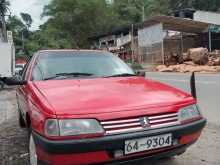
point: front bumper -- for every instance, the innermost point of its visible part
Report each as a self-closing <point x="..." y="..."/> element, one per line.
<point x="107" y="145"/>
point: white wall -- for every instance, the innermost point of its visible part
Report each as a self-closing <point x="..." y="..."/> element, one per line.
<point x="122" y="40"/>
<point x="150" y="35"/>
<point x="1" y="36"/>
<point x="208" y="17"/>
<point x="106" y="39"/>
<point x="7" y="60"/>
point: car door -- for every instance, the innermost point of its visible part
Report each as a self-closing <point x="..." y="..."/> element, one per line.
<point x="22" y="92"/>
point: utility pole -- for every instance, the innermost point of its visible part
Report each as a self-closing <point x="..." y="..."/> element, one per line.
<point x="4" y="32"/>
<point x="2" y="17"/>
<point x="132" y="43"/>
<point x="144" y="5"/>
<point x="22" y="39"/>
<point x="210" y="40"/>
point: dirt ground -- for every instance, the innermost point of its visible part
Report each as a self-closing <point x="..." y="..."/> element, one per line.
<point x="13" y="140"/>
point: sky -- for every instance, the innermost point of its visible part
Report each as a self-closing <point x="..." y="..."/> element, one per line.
<point x="32" y="7"/>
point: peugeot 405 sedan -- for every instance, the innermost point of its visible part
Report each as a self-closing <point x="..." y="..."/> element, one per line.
<point x="89" y="107"/>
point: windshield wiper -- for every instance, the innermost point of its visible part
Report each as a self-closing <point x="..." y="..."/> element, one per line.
<point x="121" y="75"/>
<point x="74" y="74"/>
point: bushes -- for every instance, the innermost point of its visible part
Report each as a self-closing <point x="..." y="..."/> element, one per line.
<point x="136" y="66"/>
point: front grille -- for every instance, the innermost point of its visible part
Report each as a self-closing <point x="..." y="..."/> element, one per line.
<point x="140" y="123"/>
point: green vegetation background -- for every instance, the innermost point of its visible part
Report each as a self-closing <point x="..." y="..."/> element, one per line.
<point x="71" y="22"/>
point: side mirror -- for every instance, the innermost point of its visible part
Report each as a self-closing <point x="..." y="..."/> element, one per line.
<point x="141" y="73"/>
<point x="14" y="81"/>
<point x="193" y="85"/>
<point x="20" y="72"/>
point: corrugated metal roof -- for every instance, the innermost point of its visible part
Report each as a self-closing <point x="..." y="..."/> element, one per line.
<point x="169" y="23"/>
<point x="177" y="24"/>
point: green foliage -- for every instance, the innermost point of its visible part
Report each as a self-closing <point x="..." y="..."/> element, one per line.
<point x="128" y="11"/>
<point x="15" y="25"/>
<point x="208" y="5"/>
<point x="136" y="66"/>
<point x="158" y="7"/>
<point x="27" y="19"/>
<point x="76" y="20"/>
<point x="72" y="22"/>
<point x="20" y="29"/>
<point x="4" y="4"/>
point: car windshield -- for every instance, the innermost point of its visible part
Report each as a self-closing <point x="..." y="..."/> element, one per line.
<point x="80" y="64"/>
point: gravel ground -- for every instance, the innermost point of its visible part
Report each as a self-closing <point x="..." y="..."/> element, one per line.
<point x="13" y="140"/>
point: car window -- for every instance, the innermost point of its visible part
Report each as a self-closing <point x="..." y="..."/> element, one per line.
<point x="24" y="70"/>
<point x="97" y="64"/>
<point x="37" y="73"/>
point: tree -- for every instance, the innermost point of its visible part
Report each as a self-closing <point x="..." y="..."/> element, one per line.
<point x="27" y="19"/>
<point x="15" y="25"/>
<point x="21" y="34"/>
<point x="72" y="22"/>
<point x="76" y="20"/>
<point x="208" y="5"/>
<point x="157" y="7"/>
<point x="4" y="4"/>
<point x="128" y="11"/>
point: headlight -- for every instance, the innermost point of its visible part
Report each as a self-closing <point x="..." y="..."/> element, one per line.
<point x="189" y="112"/>
<point x="71" y="127"/>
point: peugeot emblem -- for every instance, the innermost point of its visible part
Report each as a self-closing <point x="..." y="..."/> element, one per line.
<point x="144" y="122"/>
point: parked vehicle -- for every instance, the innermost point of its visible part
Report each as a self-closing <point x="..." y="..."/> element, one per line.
<point x="84" y="107"/>
<point x="7" y="62"/>
<point x="19" y="66"/>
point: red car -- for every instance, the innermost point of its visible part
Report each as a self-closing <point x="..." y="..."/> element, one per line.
<point x="89" y="107"/>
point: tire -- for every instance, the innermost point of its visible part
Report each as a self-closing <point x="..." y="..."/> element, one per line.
<point x="1" y="85"/>
<point x="32" y="151"/>
<point x="173" y="156"/>
<point x="21" y="121"/>
<point x="168" y="158"/>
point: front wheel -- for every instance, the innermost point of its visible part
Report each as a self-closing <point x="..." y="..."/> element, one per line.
<point x="32" y="151"/>
<point x="22" y="123"/>
<point x="1" y="84"/>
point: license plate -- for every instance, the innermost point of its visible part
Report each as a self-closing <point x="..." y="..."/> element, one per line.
<point x="148" y="143"/>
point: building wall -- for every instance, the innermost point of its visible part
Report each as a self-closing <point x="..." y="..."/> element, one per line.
<point x="104" y="41"/>
<point x="123" y="39"/>
<point x="150" y="35"/>
<point x="114" y="41"/>
<point x="1" y="36"/>
<point x="175" y="46"/>
<point x="150" y="44"/>
<point x="208" y="17"/>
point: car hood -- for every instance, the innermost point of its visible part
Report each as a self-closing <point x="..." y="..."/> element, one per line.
<point x="88" y="96"/>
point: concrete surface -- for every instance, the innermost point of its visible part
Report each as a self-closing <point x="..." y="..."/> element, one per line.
<point x="207" y="150"/>
<point x="13" y="139"/>
<point x="208" y="90"/>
